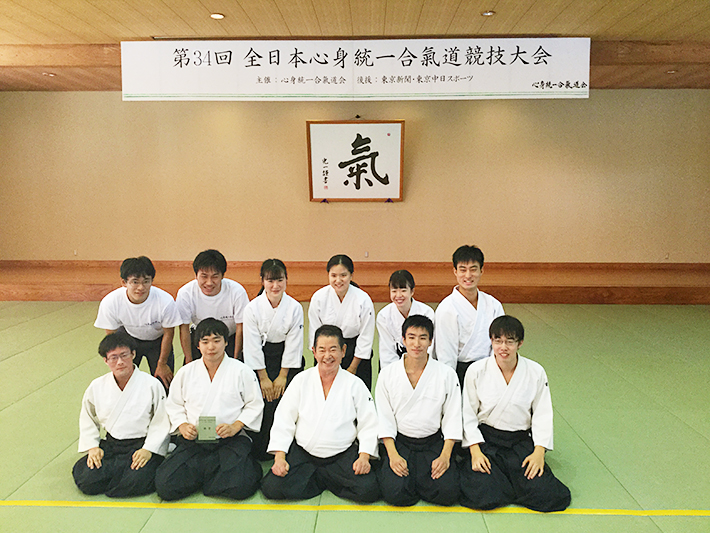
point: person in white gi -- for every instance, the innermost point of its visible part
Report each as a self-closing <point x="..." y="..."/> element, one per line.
<point x="211" y="295"/>
<point x="130" y="406"/>
<point x="146" y="313"/>
<point x="324" y="432"/>
<point x="391" y="317"/>
<point x="507" y="425"/>
<point x="343" y="304"/>
<point x="419" y="409"/>
<point x="463" y="317"/>
<point x="273" y="344"/>
<point x="211" y="402"/>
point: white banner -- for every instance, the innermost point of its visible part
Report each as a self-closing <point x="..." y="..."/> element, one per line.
<point x="396" y="69"/>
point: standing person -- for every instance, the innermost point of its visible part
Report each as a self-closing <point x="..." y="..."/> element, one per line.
<point x="507" y="425"/>
<point x="463" y="317"/>
<point x="211" y="295"/>
<point x="324" y="432"/>
<point x="392" y="316"/>
<point x="273" y="344"/>
<point x="419" y="411"/>
<point x="343" y="304"/>
<point x="130" y="406"/>
<point x="212" y="401"/>
<point x="146" y="313"/>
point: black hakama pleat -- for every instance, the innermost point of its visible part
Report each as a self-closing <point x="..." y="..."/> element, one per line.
<point x="507" y="483"/>
<point x="408" y="490"/>
<point x="114" y="477"/>
<point x="308" y="476"/>
<point x="224" y="468"/>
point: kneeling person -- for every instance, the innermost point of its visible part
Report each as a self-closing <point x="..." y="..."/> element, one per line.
<point x="221" y="395"/>
<point x="419" y="410"/>
<point x="130" y="406"/>
<point x="507" y="423"/>
<point x="327" y="423"/>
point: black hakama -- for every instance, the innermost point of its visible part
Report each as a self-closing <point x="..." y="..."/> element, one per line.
<point x="273" y="352"/>
<point x="419" y="454"/>
<point x="309" y="476"/>
<point x="114" y="477"/>
<point x="507" y="483"/>
<point x="223" y="468"/>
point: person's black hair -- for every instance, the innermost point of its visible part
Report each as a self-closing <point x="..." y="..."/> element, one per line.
<point x="468" y="254"/>
<point x="210" y="260"/>
<point x="341" y="259"/>
<point x="328" y="330"/>
<point x="273" y="269"/>
<point x="211" y="326"/>
<point x="401" y="279"/>
<point x="418" y="321"/>
<point x="139" y="267"/>
<point x="507" y="326"/>
<point x="115" y="340"/>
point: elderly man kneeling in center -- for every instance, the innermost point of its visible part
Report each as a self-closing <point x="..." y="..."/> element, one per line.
<point x="327" y="423"/>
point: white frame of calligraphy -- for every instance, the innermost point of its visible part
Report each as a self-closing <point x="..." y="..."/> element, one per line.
<point x="355" y="160"/>
<point x="367" y="69"/>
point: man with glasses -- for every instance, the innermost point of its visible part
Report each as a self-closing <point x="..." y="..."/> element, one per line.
<point x="130" y="406"/>
<point x="146" y="313"/>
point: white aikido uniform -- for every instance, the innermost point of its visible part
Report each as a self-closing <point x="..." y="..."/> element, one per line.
<point x="225" y="467"/>
<point x="462" y="330"/>
<point x="144" y="322"/>
<point x="134" y="418"/>
<point x="355" y="316"/>
<point x="508" y="420"/>
<point x="419" y="419"/>
<point x="389" y="328"/>
<point x="228" y="306"/>
<point x="323" y="437"/>
<point x="273" y="339"/>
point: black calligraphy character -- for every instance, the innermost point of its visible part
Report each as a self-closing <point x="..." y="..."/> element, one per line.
<point x="474" y="56"/>
<point x="252" y="58"/>
<point x="274" y="57"/>
<point x="362" y="57"/>
<point x="296" y="58"/>
<point x="181" y="59"/>
<point x="320" y="60"/>
<point x="340" y="56"/>
<point x="451" y="56"/>
<point x="428" y="57"/>
<point x="223" y="58"/>
<point x="407" y="57"/>
<point x="519" y="55"/>
<point x="495" y="56"/>
<point x="541" y="56"/>
<point x="358" y="165"/>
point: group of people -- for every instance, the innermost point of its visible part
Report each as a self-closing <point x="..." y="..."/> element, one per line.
<point x="458" y="416"/>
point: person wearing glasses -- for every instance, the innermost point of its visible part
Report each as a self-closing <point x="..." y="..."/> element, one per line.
<point x="507" y="427"/>
<point x="130" y="406"/>
<point x="146" y="313"/>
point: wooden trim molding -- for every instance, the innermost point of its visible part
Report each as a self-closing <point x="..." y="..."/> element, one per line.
<point x="559" y="283"/>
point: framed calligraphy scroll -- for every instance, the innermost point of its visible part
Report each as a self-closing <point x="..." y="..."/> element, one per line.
<point x="355" y="160"/>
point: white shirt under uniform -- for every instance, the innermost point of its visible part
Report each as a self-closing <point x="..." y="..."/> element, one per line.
<point x="227" y="305"/>
<point x="389" y="328"/>
<point x="144" y="321"/>
<point x="233" y="394"/>
<point x="136" y="411"/>
<point x="355" y="316"/>
<point x="263" y="323"/>
<point x="433" y="405"/>
<point x="462" y="330"/>
<point x="522" y="404"/>
<point x="322" y="426"/>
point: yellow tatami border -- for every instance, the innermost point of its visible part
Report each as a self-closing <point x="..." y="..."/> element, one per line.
<point x="346" y="507"/>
